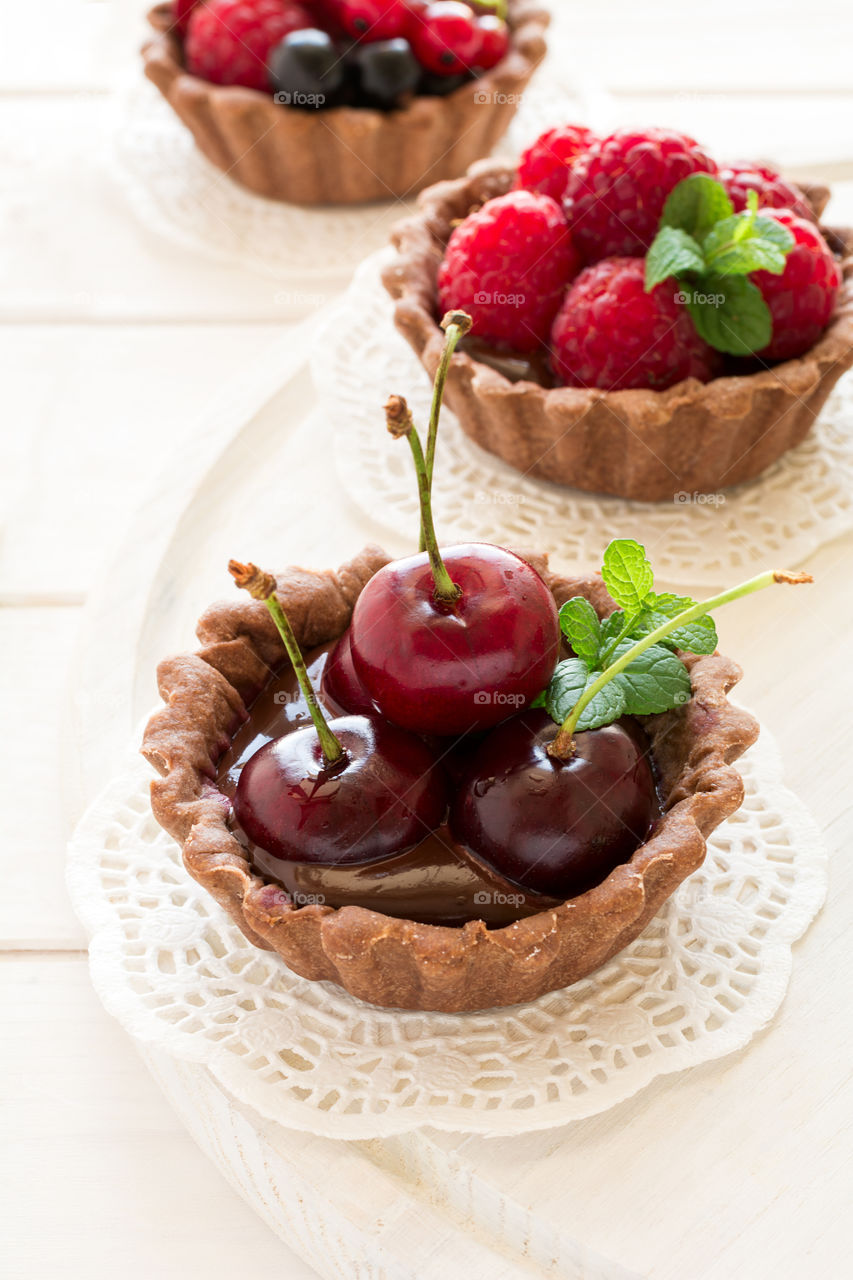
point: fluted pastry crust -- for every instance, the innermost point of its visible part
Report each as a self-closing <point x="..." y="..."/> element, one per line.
<point x="398" y="963"/>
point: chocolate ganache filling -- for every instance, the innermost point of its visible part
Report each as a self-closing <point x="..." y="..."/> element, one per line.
<point x="436" y="882"/>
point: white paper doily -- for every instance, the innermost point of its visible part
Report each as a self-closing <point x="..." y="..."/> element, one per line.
<point x="179" y="194"/>
<point x="709" y="972"/>
<point x="802" y="502"/>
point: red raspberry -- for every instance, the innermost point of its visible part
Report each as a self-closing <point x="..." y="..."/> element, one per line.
<point x="494" y="42"/>
<point x="545" y="165"/>
<point x="445" y="38"/>
<point x="616" y="193"/>
<point x="802" y="298"/>
<point x="508" y="265"/>
<point x="181" y="10"/>
<point x="613" y="335"/>
<point x="371" y="20"/>
<point x="229" y="41"/>
<point x="773" y="191"/>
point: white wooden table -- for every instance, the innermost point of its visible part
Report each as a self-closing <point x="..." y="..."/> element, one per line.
<point x="112" y="343"/>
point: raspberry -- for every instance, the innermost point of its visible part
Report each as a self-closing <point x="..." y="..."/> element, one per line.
<point x="613" y="335"/>
<point x="181" y="10"/>
<point x="802" y="298"/>
<point x="545" y="165"/>
<point x="773" y="191"/>
<point x="445" y="37"/>
<point x="229" y="41"/>
<point x="615" y="193"/>
<point x="508" y="264"/>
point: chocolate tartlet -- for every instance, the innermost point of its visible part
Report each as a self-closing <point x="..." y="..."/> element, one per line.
<point x="639" y="444"/>
<point x="205" y="729"/>
<point x="346" y="155"/>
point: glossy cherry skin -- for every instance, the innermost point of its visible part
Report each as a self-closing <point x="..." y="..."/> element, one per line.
<point x="558" y="827"/>
<point x="340" y="683"/>
<point x="440" y="669"/>
<point x="383" y="797"/>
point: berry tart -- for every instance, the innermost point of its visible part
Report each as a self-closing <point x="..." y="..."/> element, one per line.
<point x="646" y="322"/>
<point x="344" y="101"/>
<point x="453" y="781"/>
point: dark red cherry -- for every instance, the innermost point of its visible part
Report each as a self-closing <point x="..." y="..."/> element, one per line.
<point x="446" y="669"/>
<point x="340" y="682"/>
<point x="558" y="827"/>
<point x="385" y="795"/>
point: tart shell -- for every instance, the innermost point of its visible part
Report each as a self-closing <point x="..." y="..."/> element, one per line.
<point x="398" y="963"/>
<point x="346" y="155"/>
<point x="653" y="446"/>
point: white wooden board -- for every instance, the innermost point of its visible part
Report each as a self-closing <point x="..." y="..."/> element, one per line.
<point x="694" y="1177"/>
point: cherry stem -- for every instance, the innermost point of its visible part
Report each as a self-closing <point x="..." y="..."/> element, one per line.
<point x="261" y="586"/>
<point x="400" y="423"/>
<point x="455" y="325"/>
<point x="500" y="7"/>
<point x="563" y="745"/>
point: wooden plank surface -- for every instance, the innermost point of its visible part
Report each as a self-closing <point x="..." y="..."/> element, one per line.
<point x="94" y="414"/>
<point x="98" y="1177"/>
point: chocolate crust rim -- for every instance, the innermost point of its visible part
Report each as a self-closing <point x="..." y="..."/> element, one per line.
<point x="345" y="155"/>
<point x="397" y="963"/>
<point x="638" y="444"/>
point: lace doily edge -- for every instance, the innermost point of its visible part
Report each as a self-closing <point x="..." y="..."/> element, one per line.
<point x="104" y="928"/>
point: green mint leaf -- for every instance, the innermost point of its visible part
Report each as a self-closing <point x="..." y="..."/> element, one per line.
<point x="699" y="636"/>
<point x="568" y="683"/>
<point x="611" y="628"/>
<point x="581" y="627"/>
<point x="627" y="574"/>
<point x="539" y="700"/>
<point x="696" y="637"/>
<point x="771" y="230"/>
<point x="655" y="681"/>
<point x="696" y="204"/>
<point x="743" y="243"/>
<point x="668" y="604"/>
<point x="731" y="315"/>
<point x="672" y="252"/>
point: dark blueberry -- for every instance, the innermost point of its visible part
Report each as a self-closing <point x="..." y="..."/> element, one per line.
<point x="389" y="71"/>
<point x="434" y="86"/>
<point x="306" y="69"/>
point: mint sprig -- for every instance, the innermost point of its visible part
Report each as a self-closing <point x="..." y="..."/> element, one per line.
<point x="696" y="205"/>
<point x="730" y="314"/>
<point x="711" y="250"/>
<point x="626" y="663"/>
